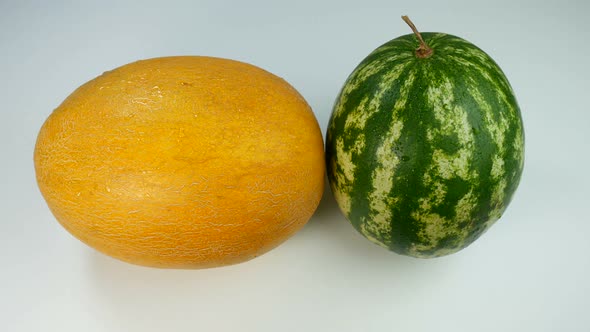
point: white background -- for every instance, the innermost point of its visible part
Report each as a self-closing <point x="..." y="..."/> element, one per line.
<point x="530" y="272"/>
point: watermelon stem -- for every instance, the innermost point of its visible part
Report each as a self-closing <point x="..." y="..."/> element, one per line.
<point x="423" y="51"/>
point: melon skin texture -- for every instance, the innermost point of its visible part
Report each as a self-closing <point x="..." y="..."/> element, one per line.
<point x="424" y="154"/>
<point x="182" y="162"/>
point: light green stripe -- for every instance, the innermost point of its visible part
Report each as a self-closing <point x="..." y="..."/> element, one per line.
<point x="518" y="145"/>
<point x="378" y="224"/>
<point x="483" y="67"/>
<point x="359" y="76"/>
<point x="497" y="131"/>
<point x="344" y="176"/>
<point x="452" y="121"/>
<point x="357" y="118"/>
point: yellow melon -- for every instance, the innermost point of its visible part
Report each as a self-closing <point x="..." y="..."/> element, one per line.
<point x="182" y="162"/>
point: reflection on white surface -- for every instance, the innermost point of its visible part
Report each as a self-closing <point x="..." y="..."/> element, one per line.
<point x="272" y="288"/>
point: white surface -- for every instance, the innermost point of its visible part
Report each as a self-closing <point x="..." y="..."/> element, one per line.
<point x="530" y="272"/>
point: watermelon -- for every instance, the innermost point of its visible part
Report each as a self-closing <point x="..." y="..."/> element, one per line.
<point x="425" y="144"/>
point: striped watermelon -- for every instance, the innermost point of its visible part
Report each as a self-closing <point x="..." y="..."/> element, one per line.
<point x="425" y="145"/>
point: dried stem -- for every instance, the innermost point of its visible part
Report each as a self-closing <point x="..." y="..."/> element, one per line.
<point x="423" y="51"/>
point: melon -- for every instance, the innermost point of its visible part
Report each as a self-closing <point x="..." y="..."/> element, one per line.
<point x="182" y="162"/>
